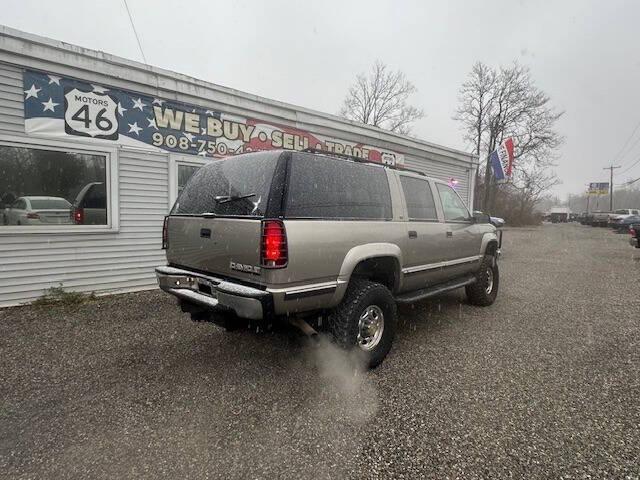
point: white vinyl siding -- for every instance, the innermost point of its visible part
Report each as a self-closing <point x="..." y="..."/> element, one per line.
<point x="86" y="262"/>
<point x="11" y="100"/>
<point x="96" y="262"/>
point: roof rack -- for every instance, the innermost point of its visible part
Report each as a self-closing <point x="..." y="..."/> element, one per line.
<point x="360" y="160"/>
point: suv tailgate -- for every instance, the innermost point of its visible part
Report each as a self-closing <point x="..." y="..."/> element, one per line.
<point x="213" y="244"/>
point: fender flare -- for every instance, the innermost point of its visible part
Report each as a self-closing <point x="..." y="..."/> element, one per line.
<point x="487" y="238"/>
<point x="364" y="252"/>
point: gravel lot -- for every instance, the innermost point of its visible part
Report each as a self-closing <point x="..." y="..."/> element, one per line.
<point x="543" y="384"/>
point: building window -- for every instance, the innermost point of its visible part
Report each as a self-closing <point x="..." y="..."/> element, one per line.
<point x="52" y="188"/>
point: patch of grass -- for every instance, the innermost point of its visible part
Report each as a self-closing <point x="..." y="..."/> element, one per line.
<point x="60" y="296"/>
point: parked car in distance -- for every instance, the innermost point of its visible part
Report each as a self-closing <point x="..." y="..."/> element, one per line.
<point x="621" y="214"/>
<point x="559" y="214"/>
<point x="37" y="210"/>
<point x="600" y="219"/>
<point x="624" y="224"/>
<point x="634" y="231"/>
<point x="324" y="241"/>
<point x="585" y="218"/>
<point x="90" y="205"/>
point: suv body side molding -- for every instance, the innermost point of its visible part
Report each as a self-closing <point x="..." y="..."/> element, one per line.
<point x="432" y="266"/>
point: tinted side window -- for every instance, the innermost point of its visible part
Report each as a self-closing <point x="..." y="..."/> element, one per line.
<point x="454" y="208"/>
<point x="419" y="199"/>
<point x="325" y="187"/>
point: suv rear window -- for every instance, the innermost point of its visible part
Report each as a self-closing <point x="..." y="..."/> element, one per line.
<point x="324" y="187"/>
<point x="249" y="174"/>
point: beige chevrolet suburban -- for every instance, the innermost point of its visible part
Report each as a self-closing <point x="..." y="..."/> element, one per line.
<point x="326" y="242"/>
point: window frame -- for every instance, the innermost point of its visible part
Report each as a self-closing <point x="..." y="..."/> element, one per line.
<point x="406" y="205"/>
<point x="111" y="173"/>
<point x="444" y="215"/>
<point x="175" y="160"/>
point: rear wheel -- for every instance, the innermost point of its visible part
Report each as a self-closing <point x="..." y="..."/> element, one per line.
<point x="485" y="290"/>
<point x="366" y="320"/>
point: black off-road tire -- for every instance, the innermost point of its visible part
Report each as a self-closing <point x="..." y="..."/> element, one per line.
<point x="344" y="319"/>
<point x="477" y="292"/>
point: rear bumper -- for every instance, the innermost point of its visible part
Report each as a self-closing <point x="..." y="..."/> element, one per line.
<point x="215" y="293"/>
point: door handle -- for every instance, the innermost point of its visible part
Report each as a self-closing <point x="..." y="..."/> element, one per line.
<point x="449" y="234"/>
<point x="413" y="234"/>
<point x="205" y="232"/>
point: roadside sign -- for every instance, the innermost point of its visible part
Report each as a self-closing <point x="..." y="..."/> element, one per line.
<point x="598" y="188"/>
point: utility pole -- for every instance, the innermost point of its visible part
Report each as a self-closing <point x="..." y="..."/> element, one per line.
<point x="611" y="169"/>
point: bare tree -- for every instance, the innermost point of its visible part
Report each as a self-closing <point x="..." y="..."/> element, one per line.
<point x="380" y="99"/>
<point x="475" y="102"/>
<point x="505" y="103"/>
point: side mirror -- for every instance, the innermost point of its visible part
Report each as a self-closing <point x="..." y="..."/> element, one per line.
<point x="479" y="217"/>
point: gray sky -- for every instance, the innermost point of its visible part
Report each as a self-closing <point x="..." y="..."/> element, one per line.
<point x="584" y="54"/>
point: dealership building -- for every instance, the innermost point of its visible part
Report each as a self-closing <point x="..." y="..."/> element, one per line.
<point x="94" y="150"/>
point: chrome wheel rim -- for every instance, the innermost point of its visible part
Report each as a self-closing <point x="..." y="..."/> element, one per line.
<point x="370" y="327"/>
<point x="489" y="288"/>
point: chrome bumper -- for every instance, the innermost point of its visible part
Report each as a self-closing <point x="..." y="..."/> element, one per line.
<point x="215" y="293"/>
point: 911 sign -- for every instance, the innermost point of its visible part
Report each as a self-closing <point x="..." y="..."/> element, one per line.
<point x="90" y="114"/>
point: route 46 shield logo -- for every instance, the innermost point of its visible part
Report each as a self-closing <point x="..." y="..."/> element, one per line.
<point x="90" y="114"/>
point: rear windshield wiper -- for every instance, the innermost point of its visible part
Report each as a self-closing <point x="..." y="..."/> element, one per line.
<point x="232" y="198"/>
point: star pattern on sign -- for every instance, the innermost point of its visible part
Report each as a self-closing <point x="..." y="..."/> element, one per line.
<point x="189" y="136"/>
<point x="203" y="130"/>
<point x="32" y="92"/>
<point x="121" y="109"/>
<point x="50" y="105"/>
<point x="152" y="123"/>
<point x="134" y="128"/>
<point x="138" y="104"/>
<point x="54" y="79"/>
<point x="209" y="112"/>
<point x="157" y="101"/>
<point x="202" y="153"/>
<point x="99" y="89"/>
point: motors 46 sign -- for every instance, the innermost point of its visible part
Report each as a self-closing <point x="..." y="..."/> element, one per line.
<point x="90" y="114"/>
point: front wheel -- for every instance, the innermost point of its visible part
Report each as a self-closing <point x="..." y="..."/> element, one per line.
<point x="366" y="320"/>
<point x="485" y="290"/>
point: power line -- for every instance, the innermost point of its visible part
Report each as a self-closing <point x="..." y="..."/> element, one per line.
<point x="135" y="32"/>
<point x="625" y="143"/>
<point x="627" y="169"/>
<point x="626" y="184"/>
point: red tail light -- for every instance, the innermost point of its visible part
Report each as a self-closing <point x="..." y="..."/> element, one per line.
<point x="165" y="234"/>
<point x="78" y="216"/>
<point x="33" y="216"/>
<point x="632" y="232"/>
<point x="274" y="252"/>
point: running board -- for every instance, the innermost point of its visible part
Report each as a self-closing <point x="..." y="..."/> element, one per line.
<point x="423" y="293"/>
